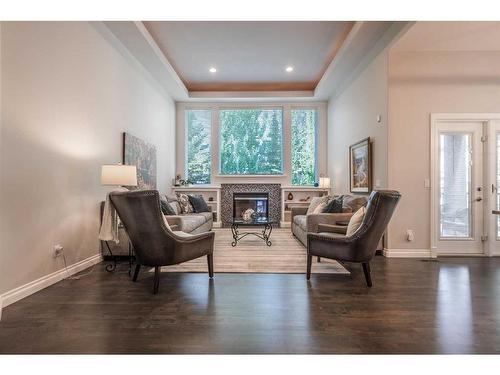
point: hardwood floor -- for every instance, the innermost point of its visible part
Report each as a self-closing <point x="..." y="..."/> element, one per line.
<point x="414" y="306"/>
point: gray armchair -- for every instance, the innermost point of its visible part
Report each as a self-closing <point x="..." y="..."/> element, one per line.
<point x="154" y="244"/>
<point x="361" y="246"/>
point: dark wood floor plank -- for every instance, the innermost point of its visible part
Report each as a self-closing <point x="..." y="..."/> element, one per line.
<point x="449" y="306"/>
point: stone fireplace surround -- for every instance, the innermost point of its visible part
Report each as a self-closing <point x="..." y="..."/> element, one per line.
<point x="227" y="190"/>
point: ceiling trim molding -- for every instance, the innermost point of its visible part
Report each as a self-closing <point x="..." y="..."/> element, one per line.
<point x="251" y="96"/>
<point x="134" y="36"/>
<point x="362" y="44"/>
<point x="365" y="41"/>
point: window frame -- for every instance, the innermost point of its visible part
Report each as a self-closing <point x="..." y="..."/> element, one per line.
<point x="215" y="105"/>
<point x="186" y="134"/>
<point x="250" y="107"/>
<point x="316" y="140"/>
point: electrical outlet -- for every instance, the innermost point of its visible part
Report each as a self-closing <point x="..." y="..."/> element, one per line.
<point x="410" y="235"/>
<point x="58" y="250"/>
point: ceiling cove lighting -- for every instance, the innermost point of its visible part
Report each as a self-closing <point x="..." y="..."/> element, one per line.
<point x="289" y="69"/>
<point x="212" y="70"/>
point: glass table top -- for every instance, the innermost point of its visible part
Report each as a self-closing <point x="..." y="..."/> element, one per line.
<point x="256" y="221"/>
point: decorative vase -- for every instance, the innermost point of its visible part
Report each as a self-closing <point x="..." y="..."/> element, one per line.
<point x="290" y="196"/>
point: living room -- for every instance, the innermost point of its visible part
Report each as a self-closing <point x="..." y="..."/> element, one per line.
<point x="196" y="186"/>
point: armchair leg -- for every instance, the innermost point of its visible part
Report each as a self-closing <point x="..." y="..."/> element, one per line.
<point x="319" y="259"/>
<point x="309" y="263"/>
<point x="366" y="271"/>
<point x="156" y="282"/>
<point x="210" y="261"/>
<point x="136" y="272"/>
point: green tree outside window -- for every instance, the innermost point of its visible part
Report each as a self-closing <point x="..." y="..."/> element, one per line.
<point x="251" y="142"/>
<point x="304" y="151"/>
<point x="198" y="142"/>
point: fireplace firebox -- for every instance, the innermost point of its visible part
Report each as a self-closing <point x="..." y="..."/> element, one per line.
<point x="258" y="202"/>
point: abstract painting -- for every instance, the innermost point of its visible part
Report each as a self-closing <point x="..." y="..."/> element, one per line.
<point x="143" y="155"/>
<point x="360" y="166"/>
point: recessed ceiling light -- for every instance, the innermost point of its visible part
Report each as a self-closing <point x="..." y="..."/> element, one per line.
<point x="289" y="69"/>
<point x="212" y="70"/>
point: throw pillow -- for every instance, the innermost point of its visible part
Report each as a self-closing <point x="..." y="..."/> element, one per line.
<point x="352" y="203"/>
<point x="334" y="206"/>
<point x="186" y="207"/>
<point x="315" y="202"/>
<point x="174" y="203"/>
<point x="166" y="208"/>
<point x="198" y="203"/>
<point x="355" y="221"/>
<point x="320" y="208"/>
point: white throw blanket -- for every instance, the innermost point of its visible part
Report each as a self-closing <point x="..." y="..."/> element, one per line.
<point x="110" y="221"/>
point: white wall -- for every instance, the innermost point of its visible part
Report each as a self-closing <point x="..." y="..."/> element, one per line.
<point x="421" y="83"/>
<point x="352" y="116"/>
<point x="284" y="179"/>
<point x="67" y="96"/>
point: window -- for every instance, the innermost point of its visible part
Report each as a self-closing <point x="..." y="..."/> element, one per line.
<point x="304" y="150"/>
<point x="455" y="186"/>
<point x="198" y="150"/>
<point x="251" y="142"/>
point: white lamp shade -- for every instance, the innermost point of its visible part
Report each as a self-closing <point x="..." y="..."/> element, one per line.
<point x="324" y="182"/>
<point x="119" y="175"/>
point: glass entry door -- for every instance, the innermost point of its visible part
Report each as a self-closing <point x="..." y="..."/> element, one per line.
<point x="460" y="221"/>
<point x="493" y="188"/>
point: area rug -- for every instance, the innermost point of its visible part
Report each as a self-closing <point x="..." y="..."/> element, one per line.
<point x="251" y="255"/>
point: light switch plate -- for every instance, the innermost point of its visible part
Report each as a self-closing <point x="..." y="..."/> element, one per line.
<point x="427" y="183"/>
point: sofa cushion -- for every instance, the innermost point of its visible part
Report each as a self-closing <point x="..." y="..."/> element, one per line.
<point x="315" y="202"/>
<point x="320" y="208"/>
<point x="174" y="202"/>
<point x="166" y="208"/>
<point x="198" y="203"/>
<point x="352" y="203"/>
<point x="334" y="206"/>
<point x="206" y="215"/>
<point x="301" y="221"/>
<point x="186" y="206"/>
<point x="355" y="221"/>
<point x="191" y="222"/>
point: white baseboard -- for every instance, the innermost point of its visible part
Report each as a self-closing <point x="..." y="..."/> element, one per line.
<point x="23" y="291"/>
<point x="407" y="253"/>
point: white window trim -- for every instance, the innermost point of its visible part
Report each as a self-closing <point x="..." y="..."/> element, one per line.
<point x="285" y="178"/>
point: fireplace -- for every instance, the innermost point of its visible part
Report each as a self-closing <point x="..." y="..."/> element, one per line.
<point x="258" y="202"/>
<point x="227" y="192"/>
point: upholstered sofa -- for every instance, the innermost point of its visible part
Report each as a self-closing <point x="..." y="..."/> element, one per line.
<point x="193" y="223"/>
<point x="301" y="224"/>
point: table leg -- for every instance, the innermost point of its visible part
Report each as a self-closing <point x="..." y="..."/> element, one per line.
<point x="267" y="234"/>
<point x="234" y="231"/>
<point x="110" y="267"/>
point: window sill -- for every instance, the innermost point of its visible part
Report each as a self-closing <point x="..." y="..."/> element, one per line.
<point x="250" y="175"/>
